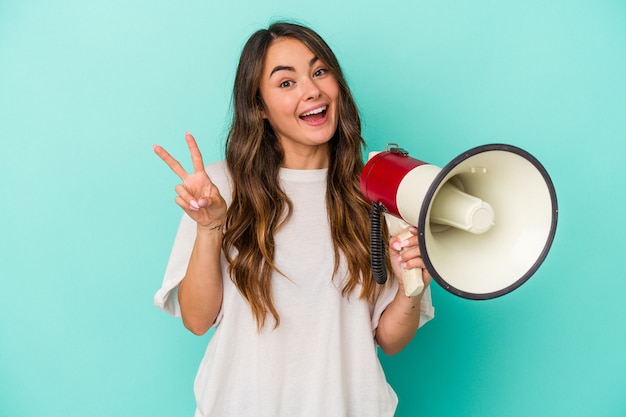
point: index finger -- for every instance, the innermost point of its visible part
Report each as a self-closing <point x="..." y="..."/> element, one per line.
<point x="171" y="162"/>
<point x="196" y="156"/>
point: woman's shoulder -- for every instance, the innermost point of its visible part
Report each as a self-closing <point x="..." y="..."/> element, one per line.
<point x="219" y="174"/>
<point x="217" y="168"/>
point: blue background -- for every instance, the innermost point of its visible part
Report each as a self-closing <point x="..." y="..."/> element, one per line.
<point x="87" y="214"/>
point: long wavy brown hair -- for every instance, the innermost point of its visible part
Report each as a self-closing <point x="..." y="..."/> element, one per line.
<point x="259" y="206"/>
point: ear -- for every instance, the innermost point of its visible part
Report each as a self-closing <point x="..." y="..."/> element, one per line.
<point x="261" y="106"/>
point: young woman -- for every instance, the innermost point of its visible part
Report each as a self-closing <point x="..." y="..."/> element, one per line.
<point x="273" y="248"/>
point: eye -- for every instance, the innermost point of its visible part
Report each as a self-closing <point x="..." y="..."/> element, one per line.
<point x="320" y="72"/>
<point x="286" y="84"/>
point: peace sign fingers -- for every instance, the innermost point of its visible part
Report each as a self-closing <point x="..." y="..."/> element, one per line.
<point x="196" y="156"/>
<point x="171" y="162"/>
<point x="197" y="195"/>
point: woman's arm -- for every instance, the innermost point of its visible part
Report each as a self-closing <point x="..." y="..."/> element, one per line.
<point x="401" y="319"/>
<point x="398" y="323"/>
<point x="200" y="291"/>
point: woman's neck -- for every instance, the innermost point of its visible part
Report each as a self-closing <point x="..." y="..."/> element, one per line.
<point x="307" y="158"/>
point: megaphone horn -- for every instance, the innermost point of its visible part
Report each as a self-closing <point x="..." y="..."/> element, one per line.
<point x="485" y="221"/>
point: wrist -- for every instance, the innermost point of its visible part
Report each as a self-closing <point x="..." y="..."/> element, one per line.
<point x="211" y="227"/>
<point x="409" y="301"/>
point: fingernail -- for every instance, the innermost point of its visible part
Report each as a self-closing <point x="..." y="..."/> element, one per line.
<point x="413" y="230"/>
<point x="194" y="204"/>
<point x="396" y="245"/>
<point x="202" y="202"/>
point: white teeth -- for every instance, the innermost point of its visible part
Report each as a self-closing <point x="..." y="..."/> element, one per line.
<point x="316" y="111"/>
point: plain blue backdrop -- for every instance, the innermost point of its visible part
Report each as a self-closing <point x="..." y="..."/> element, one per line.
<point x="87" y="213"/>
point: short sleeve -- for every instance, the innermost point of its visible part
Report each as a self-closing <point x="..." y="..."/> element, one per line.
<point x="427" y="311"/>
<point x="166" y="298"/>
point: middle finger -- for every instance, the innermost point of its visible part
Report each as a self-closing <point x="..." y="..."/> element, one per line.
<point x="196" y="156"/>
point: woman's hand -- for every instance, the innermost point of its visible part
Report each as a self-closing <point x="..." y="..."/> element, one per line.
<point x="197" y="195"/>
<point x="405" y="254"/>
<point x="401" y="319"/>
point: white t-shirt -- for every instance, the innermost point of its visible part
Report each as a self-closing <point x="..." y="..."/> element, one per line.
<point x="322" y="359"/>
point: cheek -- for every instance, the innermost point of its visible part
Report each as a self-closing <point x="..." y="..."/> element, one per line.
<point x="279" y="105"/>
<point x="337" y="101"/>
<point x="333" y="93"/>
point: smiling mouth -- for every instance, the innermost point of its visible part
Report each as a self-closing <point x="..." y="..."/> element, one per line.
<point x="314" y="115"/>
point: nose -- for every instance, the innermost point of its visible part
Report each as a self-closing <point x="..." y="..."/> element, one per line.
<point x="311" y="90"/>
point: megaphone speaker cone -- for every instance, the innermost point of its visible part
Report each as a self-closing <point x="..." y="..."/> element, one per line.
<point x="523" y="215"/>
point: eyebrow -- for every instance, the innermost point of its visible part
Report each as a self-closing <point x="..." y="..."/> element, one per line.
<point x="289" y="68"/>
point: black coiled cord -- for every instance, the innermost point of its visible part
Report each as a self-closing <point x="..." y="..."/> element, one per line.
<point x="377" y="244"/>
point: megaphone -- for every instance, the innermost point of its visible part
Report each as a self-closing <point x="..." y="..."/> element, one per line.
<point x="485" y="221"/>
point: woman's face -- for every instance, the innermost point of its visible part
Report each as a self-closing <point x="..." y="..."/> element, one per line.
<point x="300" y="97"/>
